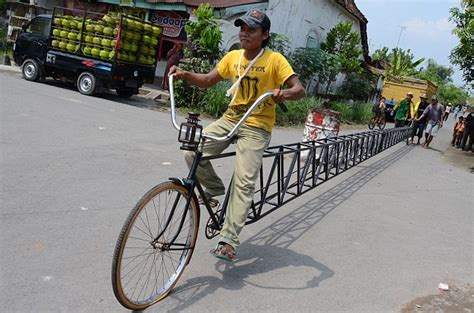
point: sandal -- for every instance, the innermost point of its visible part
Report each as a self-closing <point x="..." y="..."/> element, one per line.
<point x="212" y="202"/>
<point x="224" y="251"/>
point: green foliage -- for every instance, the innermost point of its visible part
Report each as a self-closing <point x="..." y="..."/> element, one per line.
<point x="342" y="42"/>
<point x="306" y="62"/>
<point x="204" y="34"/>
<point x="450" y="93"/>
<point x="297" y="111"/>
<point x="435" y="72"/>
<point x="358" y="86"/>
<point x="204" y="37"/>
<point x="3" y="38"/>
<point x="381" y="55"/>
<point x="358" y="113"/>
<point x="402" y="63"/>
<point x="279" y="43"/>
<point x="215" y="101"/>
<point x="462" y="54"/>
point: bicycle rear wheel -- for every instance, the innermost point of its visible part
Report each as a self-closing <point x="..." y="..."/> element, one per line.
<point x="147" y="261"/>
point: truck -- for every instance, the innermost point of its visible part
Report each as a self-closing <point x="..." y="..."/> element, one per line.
<point x="396" y="89"/>
<point x="95" y="51"/>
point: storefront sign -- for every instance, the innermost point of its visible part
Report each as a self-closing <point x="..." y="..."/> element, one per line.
<point x="172" y="23"/>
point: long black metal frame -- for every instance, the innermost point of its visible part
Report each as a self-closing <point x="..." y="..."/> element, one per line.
<point x="297" y="168"/>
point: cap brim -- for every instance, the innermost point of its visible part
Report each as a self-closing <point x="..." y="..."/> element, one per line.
<point x="247" y="21"/>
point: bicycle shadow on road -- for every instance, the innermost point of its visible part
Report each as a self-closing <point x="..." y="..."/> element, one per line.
<point x="268" y="250"/>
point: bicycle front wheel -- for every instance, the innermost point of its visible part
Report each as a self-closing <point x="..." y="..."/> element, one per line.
<point x="372" y="123"/>
<point x="155" y="245"/>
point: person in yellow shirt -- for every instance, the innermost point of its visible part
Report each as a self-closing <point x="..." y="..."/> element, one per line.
<point x="253" y="70"/>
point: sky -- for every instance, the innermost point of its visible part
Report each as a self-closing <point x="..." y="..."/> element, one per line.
<point x="424" y="26"/>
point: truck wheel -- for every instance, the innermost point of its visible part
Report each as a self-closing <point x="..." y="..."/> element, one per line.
<point x="86" y="83"/>
<point x="30" y="70"/>
<point x="124" y="92"/>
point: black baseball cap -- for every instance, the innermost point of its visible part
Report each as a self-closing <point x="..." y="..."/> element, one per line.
<point x="254" y="19"/>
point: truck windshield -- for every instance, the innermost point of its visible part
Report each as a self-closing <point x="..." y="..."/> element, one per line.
<point x="39" y="26"/>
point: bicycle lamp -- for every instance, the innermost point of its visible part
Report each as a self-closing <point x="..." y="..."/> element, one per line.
<point x="190" y="132"/>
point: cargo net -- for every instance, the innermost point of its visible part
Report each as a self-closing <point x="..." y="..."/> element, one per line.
<point x="291" y="170"/>
<point x="109" y="37"/>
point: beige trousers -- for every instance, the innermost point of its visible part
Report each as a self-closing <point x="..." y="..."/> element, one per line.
<point x="250" y="142"/>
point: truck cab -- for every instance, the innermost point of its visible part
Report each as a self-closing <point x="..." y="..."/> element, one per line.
<point x="32" y="45"/>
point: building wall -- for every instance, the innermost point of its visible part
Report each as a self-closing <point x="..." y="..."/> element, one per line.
<point x="297" y="19"/>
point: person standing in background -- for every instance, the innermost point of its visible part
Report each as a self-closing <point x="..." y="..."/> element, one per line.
<point x="468" y="133"/>
<point x="173" y="56"/>
<point x="456" y="111"/>
<point x="447" y="110"/>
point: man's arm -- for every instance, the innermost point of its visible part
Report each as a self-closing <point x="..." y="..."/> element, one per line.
<point x="427" y="110"/>
<point x="295" y="90"/>
<point x="198" y="80"/>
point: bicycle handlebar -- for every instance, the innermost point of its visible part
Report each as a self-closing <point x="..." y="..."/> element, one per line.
<point x="233" y="130"/>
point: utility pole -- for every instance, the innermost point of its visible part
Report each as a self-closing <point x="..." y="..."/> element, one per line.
<point x="402" y="28"/>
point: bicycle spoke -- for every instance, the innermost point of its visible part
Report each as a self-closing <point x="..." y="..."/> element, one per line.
<point x="148" y="273"/>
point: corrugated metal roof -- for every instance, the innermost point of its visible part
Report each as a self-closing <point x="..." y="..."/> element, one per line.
<point x="212" y="3"/>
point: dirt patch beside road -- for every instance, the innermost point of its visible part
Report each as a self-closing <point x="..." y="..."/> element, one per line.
<point x="459" y="298"/>
<point x="459" y="158"/>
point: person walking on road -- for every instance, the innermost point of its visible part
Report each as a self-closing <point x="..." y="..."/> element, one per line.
<point x="253" y="70"/>
<point x="447" y="110"/>
<point x="418" y="110"/>
<point x="456" y="111"/>
<point x="402" y="108"/>
<point x="434" y="113"/>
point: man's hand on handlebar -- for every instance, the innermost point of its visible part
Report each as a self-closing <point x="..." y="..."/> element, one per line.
<point x="278" y="95"/>
<point x="178" y="73"/>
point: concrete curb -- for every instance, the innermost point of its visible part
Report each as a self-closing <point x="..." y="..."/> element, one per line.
<point x="12" y="68"/>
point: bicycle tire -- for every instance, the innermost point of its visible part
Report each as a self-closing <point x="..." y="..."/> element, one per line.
<point x="371" y="123"/>
<point x="169" y="194"/>
<point x="382" y="125"/>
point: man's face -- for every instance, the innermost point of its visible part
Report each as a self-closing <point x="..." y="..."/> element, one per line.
<point x="433" y="101"/>
<point x="409" y="97"/>
<point x="252" y="38"/>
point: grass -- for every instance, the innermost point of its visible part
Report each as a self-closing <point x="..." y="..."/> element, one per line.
<point x="215" y="103"/>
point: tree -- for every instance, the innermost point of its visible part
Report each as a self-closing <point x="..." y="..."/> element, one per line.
<point x="342" y="42"/>
<point x="462" y="54"/>
<point x="201" y="53"/>
<point x="279" y="43"/>
<point x="436" y="72"/>
<point x="381" y="55"/>
<point x="450" y="93"/>
<point x="402" y="63"/>
<point x="342" y="47"/>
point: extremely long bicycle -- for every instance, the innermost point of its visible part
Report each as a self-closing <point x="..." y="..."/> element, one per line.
<point x="158" y="238"/>
<point x="159" y="235"/>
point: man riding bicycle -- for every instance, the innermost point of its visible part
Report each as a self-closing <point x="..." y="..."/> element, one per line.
<point x="379" y="110"/>
<point x="253" y="70"/>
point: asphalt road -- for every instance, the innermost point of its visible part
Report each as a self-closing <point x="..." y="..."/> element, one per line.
<point x="371" y="240"/>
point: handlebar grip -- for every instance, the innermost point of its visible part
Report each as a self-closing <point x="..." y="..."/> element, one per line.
<point x="283" y="107"/>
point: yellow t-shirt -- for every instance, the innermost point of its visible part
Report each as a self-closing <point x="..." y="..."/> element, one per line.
<point x="269" y="72"/>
